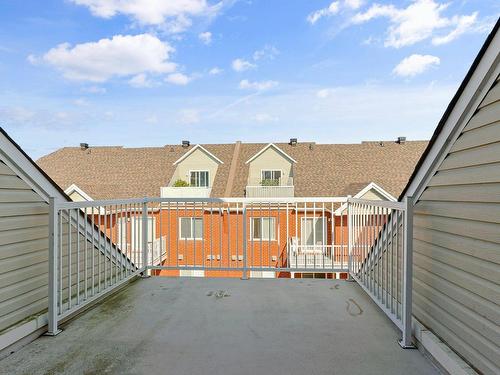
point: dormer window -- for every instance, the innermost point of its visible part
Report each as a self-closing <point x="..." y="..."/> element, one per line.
<point x="199" y="178"/>
<point x="270" y="177"/>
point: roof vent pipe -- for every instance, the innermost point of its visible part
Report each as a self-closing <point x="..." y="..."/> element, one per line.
<point x="185" y="144"/>
<point x="84" y="146"/>
<point x="401" y="140"/>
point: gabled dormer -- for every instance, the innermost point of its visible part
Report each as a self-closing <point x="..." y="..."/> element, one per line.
<point x="270" y="173"/>
<point x="194" y="174"/>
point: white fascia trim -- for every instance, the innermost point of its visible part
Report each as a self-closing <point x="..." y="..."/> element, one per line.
<point x="276" y="148"/>
<point x="74" y="188"/>
<point x="198" y="146"/>
<point x="483" y="77"/>
<point x="24" y="168"/>
<point x="366" y="189"/>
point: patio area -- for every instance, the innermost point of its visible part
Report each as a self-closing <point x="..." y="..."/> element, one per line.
<point x="193" y="326"/>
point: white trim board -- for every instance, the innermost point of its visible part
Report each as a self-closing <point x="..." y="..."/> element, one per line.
<point x="74" y="188"/>
<point x="366" y="189"/>
<point x="279" y="150"/>
<point x="198" y="146"/>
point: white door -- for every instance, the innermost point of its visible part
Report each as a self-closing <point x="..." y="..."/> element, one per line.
<point x="313" y="231"/>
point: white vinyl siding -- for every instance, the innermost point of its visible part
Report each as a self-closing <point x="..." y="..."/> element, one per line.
<point x="23" y="249"/>
<point x="457" y="243"/>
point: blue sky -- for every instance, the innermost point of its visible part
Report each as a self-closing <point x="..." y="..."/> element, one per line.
<point x="148" y="73"/>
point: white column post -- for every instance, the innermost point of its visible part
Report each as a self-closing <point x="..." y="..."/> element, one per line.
<point x="349" y="236"/>
<point x="245" y="243"/>
<point x="145" y="237"/>
<point x="53" y="267"/>
<point x="407" y="341"/>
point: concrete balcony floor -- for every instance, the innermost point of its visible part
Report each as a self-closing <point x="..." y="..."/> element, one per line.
<point x="225" y="326"/>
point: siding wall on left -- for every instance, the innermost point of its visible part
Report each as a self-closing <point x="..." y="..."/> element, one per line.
<point x="23" y="250"/>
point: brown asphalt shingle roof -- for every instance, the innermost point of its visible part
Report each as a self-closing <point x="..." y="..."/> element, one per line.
<point x="321" y="169"/>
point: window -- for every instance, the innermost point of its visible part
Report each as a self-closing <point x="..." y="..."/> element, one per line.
<point x="199" y="178"/>
<point x="313" y="231"/>
<point x="263" y="228"/>
<point x="271" y="177"/>
<point x="191" y="228"/>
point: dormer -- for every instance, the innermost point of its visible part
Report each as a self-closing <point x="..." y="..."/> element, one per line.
<point x="194" y="174"/>
<point x="270" y="173"/>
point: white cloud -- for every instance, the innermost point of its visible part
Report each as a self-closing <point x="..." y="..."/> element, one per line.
<point x="240" y="65"/>
<point x="205" y="37"/>
<point x="463" y="25"/>
<point x="415" y="64"/>
<point x="215" y="71"/>
<point x="81" y="102"/>
<point x="331" y="10"/>
<point x="265" y="118"/>
<point x="175" y="15"/>
<point x="257" y="85"/>
<point x="123" y="55"/>
<point x="140" y="81"/>
<point x="189" y="116"/>
<point x="323" y="93"/>
<point x="417" y="22"/>
<point x="268" y="52"/>
<point x="94" y="90"/>
<point x="353" y="4"/>
<point x="178" y="79"/>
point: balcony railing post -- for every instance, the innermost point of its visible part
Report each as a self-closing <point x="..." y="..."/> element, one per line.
<point x="349" y="236"/>
<point x="145" y="237"/>
<point x="407" y="341"/>
<point x="245" y="242"/>
<point x="53" y="267"/>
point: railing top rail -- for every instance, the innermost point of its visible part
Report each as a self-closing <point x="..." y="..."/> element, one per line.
<point x="282" y="200"/>
<point x="385" y="204"/>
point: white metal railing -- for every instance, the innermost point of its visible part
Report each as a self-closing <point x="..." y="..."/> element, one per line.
<point x="97" y="246"/>
<point x="380" y="256"/>
<point x="185" y="192"/>
<point x="257" y="191"/>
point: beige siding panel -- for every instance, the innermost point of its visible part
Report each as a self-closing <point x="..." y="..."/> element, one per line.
<point x="21" y="314"/>
<point x="22" y="287"/>
<point x="478" y="304"/>
<point x="463" y="193"/>
<point x="475" y="156"/>
<point x="24" y="221"/>
<point x="492" y="96"/>
<point x="489" y="212"/>
<point x="453" y="335"/>
<point x="479" y="286"/>
<point x="485" y="116"/>
<point x="17" y="209"/>
<point x="14" y="277"/>
<point x="456" y="242"/>
<point x="21" y="235"/>
<point x="19" y="196"/>
<point x="4" y="170"/>
<point x="477" y="248"/>
<point x="473" y="229"/>
<point x="460" y="261"/>
<point x="12" y="182"/>
<point x="477" y="137"/>
<point x="470" y="175"/>
<point x="29" y="259"/>
<point x="458" y="311"/>
<point x="21" y="248"/>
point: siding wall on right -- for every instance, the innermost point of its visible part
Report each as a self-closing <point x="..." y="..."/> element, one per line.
<point x="457" y="243"/>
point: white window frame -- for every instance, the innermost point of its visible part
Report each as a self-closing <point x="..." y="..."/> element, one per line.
<point x="198" y="171"/>
<point x="272" y="232"/>
<point x="303" y="228"/>
<point x="271" y="170"/>
<point x="192" y="220"/>
<point x="131" y="226"/>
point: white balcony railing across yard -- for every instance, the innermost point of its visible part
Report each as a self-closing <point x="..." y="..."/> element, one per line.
<point x="185" y="192"/>
<point x="367" y="240"/>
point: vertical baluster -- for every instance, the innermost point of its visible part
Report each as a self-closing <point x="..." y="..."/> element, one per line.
<point x="77" y="211"/>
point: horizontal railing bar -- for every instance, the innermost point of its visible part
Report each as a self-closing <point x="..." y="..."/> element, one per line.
<point x="257" y="269"/>
<point x="385" y="204"/>
<point x="284" y="200"/>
